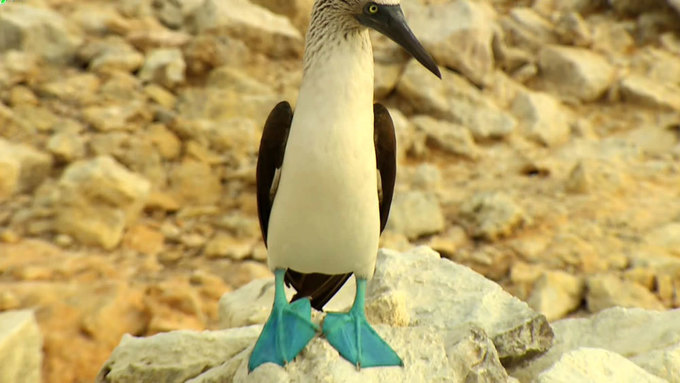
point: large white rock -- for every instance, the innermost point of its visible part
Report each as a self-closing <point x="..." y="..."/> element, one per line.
<point x="22" y="168"/>
<point x="640" y="90"/>
<point x="556" y="293"/>
<point x="174" y="357"/>
<point x="492" y="214"/>
<point x="664" y="363"/>
<point x="97" y="199"/>
<point x="542" y="117"/>
<point x="20" y="348"/>
<point x="592" y="365"/>
<point x="454" y="99"/>
<point x="219" y="356"/>
<point x="526" y="29"/>
<point x="575" y="73"/>
<point x="165" y="67"/>
<point x="458" y="34"/>
<point x="259" y="28"/>
<point x="415" y="214"/>
<point x="37" y="30"/>
<point x="635" y="333"/>
<point x="605" y="291"/>
<point x="447" y="136"/>
<point x="443" y="319"/>
<point x="298" y="11"/>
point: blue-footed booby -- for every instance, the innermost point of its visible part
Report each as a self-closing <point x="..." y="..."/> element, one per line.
<point x="325" y="179"/>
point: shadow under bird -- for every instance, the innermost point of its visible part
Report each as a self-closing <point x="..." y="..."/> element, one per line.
<point x="325" y="179"/>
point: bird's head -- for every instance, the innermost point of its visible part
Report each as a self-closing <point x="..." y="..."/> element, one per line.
<point x="386" y="17"/>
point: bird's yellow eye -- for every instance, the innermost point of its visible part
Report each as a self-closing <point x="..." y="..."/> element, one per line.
<point x="372" y="9"/>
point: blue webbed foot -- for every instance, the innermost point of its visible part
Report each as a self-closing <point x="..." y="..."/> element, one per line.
<point x="355" y="339"/>
<point x="286" y="332"/>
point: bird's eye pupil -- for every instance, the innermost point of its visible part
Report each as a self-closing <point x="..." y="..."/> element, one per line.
<point x="373" y="8"/>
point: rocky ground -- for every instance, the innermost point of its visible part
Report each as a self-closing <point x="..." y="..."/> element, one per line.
<point x="547" y="158"/>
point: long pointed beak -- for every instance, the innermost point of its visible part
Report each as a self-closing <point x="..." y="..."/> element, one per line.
<point x="390" y="21"/>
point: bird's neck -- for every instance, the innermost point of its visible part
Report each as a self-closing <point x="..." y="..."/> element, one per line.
<point x="338" y="62"/>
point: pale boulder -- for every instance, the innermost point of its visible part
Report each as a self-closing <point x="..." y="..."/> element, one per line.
<point x="96" y="200"/>
<point x="556" y="293"/>
<point x="605" y="291"/>
<point x="20" y="347"/>
<point x="446" y="136"/>
<point x="641" y="90"/>
<point x="664" y="362"/>
<point x="444" y="320"/>
<point x="458" y="34"/>
<point x="575" y="73"/>
<point x="666" y="237"/>
<point x="595" y="366"/>
<point x="630" y="332"/>
<point x="492" y="215"/>
<point x="22" y="168"/>
<point x="415" y="214"/>
<point x="542" y="117"/>
<point x="259" y="28"/>
<point x="454" y="99"/>
<point x="527" y="29"/>
<point x="165" y="67"/>
<point x="38" y="30"/>
<point x="298" y="11"/>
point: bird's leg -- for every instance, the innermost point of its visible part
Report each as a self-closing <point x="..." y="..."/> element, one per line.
<point x="355" y="339"/>
<point x="286" y="332"/>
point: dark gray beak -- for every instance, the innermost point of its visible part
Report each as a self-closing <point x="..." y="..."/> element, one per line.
<point x="389" y="20"/>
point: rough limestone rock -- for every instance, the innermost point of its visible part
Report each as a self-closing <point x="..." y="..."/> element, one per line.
<point x="446" y="136"/>
<point x="454" y="99"/>
<point x="605" y="291"/>
<point x="445" y="320"/>
<point x="666" y="237"/>
<point x="458" y="297"/>
<point x="527" y="29"/>
<point x="458" y="34"/>
<point x="37" y="30"/>
<point x="259" y="28"/>
<point x="298" y="11"/>
<point x="174" y="357"/>
<point x="97" y="199"/>
<point x="639" y="89"/>
<point x="664" y="363"/>
<point x="116" y="55"/>
<point x="543" y="118"/>
<point x="556" y="293"/>
<point x="415" y="214"/>
<point x="492" y="214"/>
<point x="575" y="73"/>
<point x="165" y="67"/>
<point x="593" y="174"/>
<point x="637" y="334"/>
<point x="66" y="146"/>
<point x="595" y="366"/>
<point x="20" y="348"/>
<point x="22" y="168"/>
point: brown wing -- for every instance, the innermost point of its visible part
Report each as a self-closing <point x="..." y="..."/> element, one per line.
<point x="386" y="158"/>
<point x="269" y="160"/>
